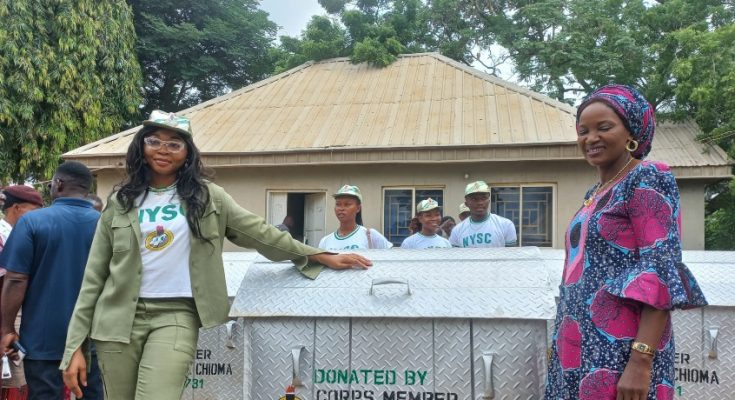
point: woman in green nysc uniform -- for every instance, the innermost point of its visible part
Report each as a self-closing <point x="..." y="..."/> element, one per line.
<point x="155" y="274"/>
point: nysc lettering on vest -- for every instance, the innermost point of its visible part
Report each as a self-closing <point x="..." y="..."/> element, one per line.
<point x="477" y="238"/>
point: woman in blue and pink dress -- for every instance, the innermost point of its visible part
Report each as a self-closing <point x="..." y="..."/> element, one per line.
<point x="623" y="273"/>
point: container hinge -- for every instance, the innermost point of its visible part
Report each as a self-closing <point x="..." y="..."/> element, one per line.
<point x="229" y="340"/>
<point x="487" y="362"/>
<point x="713" y="332"/>
<point x="296" y="357"/>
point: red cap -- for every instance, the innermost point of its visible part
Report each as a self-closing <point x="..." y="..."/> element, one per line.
<point x="24" y="193"/>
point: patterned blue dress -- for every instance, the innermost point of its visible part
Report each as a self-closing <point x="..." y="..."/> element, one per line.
<point x="622" y="251"/>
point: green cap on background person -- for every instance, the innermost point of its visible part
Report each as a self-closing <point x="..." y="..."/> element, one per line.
<point x="349" y="190"/>
<point x="427" y="205"/>
<point x="463" y="208"/>
<point x="476" y="187"/>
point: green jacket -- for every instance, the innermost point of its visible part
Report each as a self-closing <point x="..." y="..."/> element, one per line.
<point x="108" y="297"/>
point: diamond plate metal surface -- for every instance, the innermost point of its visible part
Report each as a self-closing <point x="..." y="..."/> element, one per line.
<point x="688" y="340"/>
<point x="271" y="341"/>
<point x="453" y="357"/>
<point x="331" y="351"/>
<point x="236" y="265"/>
<point x="708" y="256"/>
<point x="717" y="280"/>
<point x="519" y="303"/>
<point x="447" y="283"/>
<point x="217" y="372"/>
<point x="723" y="319"/>
<point x="393" y="345"/>
<point x="519" y="362"/>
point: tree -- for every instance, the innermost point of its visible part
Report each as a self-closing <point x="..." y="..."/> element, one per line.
<point x="566" y="48"/>
<point x="323" y="38"/>
<point x="192" y="51"/>
<point x="67" y="78"/>
<point x="705" y="90"/>
<point x="373" y="31"/>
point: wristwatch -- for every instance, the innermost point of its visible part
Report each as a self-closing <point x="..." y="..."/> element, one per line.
<point x="643" y="348"/>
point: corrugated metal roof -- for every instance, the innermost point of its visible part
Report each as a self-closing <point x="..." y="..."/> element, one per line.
<point x="676" y="143"/>
<point x="421" y="101"/>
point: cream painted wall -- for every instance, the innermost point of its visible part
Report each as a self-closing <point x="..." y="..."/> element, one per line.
<point x="248" y="186"/>
<point x="692" y="214"/>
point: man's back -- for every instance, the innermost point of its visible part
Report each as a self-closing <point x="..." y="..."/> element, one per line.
<point x="51" y="246"/>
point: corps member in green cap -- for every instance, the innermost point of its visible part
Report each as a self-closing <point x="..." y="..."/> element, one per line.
<point x="351" y="234"/>
<point x="429" y="214"/>
<point x="155" y="275"/>
<point x="482" y="229"/>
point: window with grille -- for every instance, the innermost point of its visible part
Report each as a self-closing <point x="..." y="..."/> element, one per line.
<point x="531" y="210"/>
<point x="399" y="206"/>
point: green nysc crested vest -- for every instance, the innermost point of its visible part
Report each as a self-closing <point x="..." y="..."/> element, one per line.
<point x="108" y="297"/>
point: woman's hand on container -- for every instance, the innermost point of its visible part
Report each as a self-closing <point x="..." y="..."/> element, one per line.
<point x="341" y="261"/>
<point x="76" y="373"/>
<point x="636" y="379"/>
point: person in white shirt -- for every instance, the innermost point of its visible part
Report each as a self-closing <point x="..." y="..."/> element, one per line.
<point x="464" y="212"/>
<point x="429" y="215"/>
<point x="18" y="200"/>
<point x="482" y="228"/>
<point x="351" y="234"/>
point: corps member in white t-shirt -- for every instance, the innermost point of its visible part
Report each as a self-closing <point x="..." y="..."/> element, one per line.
<point x="482" y="228"/>
<point x="429" y="215"/>
<point x="351" y="234"/>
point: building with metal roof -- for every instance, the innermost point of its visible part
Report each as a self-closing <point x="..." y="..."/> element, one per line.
<point x="423" y="126"/>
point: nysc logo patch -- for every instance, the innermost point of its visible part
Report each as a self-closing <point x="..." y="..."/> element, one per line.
<point x="159" y="239"/>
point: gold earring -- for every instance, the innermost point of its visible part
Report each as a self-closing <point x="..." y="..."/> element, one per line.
<point x="633" y="148"/>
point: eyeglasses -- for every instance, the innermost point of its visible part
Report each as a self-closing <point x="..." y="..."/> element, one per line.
<point x="155" y="143"/>
<point x="52" y="181"/>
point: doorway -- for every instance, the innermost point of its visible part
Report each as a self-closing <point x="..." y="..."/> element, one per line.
<point x="305" y="208"/>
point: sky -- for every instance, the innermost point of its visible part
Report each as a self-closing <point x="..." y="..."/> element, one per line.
<point x="291" y="15"/>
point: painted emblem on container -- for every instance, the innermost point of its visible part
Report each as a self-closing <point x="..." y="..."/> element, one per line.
<point x="290" y="394"/>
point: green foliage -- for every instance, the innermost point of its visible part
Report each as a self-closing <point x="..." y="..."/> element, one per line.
<point x="323" y="38"/>
<point x="704" y="73"/>
<point x="719" y="228"/>
<point x="373" y="31"/>
<point x="566" y="48"/>
<point x="68" y="77"/>
<point x="192" y="50"/>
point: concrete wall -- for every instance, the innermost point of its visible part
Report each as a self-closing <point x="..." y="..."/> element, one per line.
<point x="249" y="186"/>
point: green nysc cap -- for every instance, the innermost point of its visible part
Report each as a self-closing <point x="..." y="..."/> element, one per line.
<point x="171" y="121"/>
<point x="349" y="190"/>
<point x="476" y="187"/>
<point x="463" y="208"/>
<point x="426" y="205"/>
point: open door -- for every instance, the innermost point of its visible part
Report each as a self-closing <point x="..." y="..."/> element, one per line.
<point x="314" y="218"/>
<point x="277" y="207"/>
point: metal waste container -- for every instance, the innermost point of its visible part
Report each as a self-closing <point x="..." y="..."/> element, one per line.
<point x="217" y="371"/>
<point x="444" y="324"/>
<point x="704" y="337"/>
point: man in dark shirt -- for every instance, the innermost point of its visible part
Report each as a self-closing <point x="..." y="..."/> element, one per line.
<point x="45" y="257"/>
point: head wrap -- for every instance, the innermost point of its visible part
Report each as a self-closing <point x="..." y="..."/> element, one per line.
<point x="635" y="111"/>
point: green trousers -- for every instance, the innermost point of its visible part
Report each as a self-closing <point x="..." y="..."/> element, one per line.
<point x="153" y="366"/>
